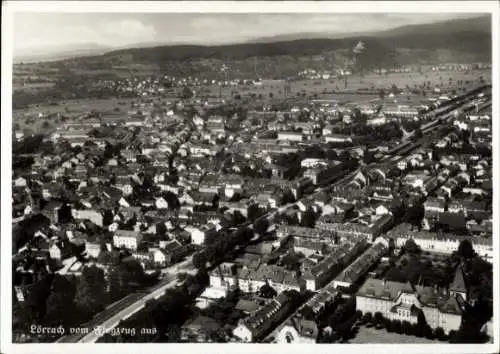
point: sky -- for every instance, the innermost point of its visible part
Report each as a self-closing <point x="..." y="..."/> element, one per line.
<point x="56" y="31"/>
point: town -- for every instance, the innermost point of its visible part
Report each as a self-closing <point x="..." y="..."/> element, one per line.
<point x="339" y="205"/>
<point x="280" y="220"/>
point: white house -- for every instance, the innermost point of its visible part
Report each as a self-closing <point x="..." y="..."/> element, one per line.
<point x="55" y="252"/>
<point x="127" y="239"/>
<point x="161" y="203"/>
<point x="123" y="202"/>
<point x="200" y="235"/>
<point x="92" y="249"/>
<point x="20" y="182"/>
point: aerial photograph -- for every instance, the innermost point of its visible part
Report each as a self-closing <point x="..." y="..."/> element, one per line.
<point x="252" y="178"/>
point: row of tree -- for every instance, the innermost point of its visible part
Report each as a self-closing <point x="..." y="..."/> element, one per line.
<point x="419" y="329"/>
<point x="223" y="245"/>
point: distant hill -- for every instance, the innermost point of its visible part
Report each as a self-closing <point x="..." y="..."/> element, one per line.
<point x="475" y="24"/>
<point x="462" y="40"/>
<point x="51" y="53"/>
<point x="465" y="39"/>
<point x="481" y="24"/>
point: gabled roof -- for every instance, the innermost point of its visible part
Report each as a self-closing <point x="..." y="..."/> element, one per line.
<point x="452" y="306"/>
<point x="306" y="328"/>
<point x="128" y="233"/>
<point x="458" y="283"/>
<point x="408" y="288"/>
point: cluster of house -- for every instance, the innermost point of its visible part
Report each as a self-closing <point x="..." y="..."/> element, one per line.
<point x="193" y="205"/>
<point x="313" y="74"/>
<point x="460" y="67"/>
<point x="441" y="307"/>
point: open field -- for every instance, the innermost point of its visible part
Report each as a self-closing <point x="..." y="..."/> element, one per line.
<point x="32" y="86"/>
<point x="28" y="118"/>
<point x="323" y="88"/>
<point x="76" y="107"/>
<point x="372" y="335"/>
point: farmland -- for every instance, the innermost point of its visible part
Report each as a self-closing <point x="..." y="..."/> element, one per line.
<point x="370" y="84"/>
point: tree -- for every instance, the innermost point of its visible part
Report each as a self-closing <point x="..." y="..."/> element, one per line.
<point x="261" y="226"/>
<point x="418" y="134"/>
<point x="115" y="286"/>
<point x="427" y="332"/>
<point x="291" y="260"/>
<point x="90" y="292"/>
<point x="308" y="218"/>
<point x="465" y="249"/>
<point x="131" y="272"/>
<point x="439" y="333"/>
<point x="187" y="93"/>
<point x="411" y="247"/>
<point x="396" y="325"/>
<point x="378" y="318"/>
<point x="388" y="325"/>
<point x="181" y="277"/>
<point x="406" y="327"/>
<point x="267" y="291"/>
<point x="414" y="214"/>
<point x="60" y="301"/>
<point x="418" y="329"/>
<point x="452" y="336"/>
<point x="287" y="197"/>
<point x="397" y="208"/>
<point x="200" y="260"/>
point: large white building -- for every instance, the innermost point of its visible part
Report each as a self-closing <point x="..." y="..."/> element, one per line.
<point x="290" y="136"/>
<point x="406" y="302"/>
<point x="446" y="243"/>
<point x="200" y="235"/>
<point x="127" y="239"/>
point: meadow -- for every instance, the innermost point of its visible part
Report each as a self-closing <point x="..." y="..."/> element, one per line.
<point x="337" y="88"/>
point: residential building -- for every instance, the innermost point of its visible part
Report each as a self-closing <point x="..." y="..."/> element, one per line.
<point x="199" y="236"/>
<point x="88" y="214"/>
<point x="352" y="274"/>
<point x="290" y="136"/>
<point x="260" y="322"/>
<point x="406" y="302"/>
<point x="127" y="239"/>
<point x="320" y="274"/>
<point x="441" y="243"/>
